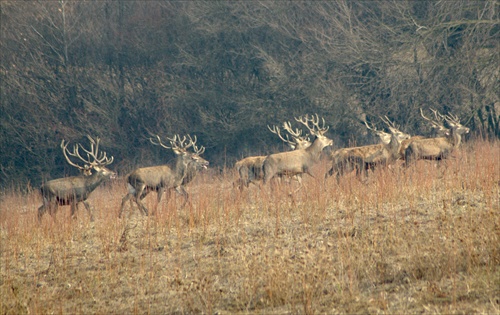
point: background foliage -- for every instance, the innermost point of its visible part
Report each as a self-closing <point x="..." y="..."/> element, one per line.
<point x="224" y="70"/>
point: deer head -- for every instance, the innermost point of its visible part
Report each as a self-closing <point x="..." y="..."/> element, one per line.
<point x="439" y="130"/>
<point x="384" y="136"/>
<point x="95" y="160"/>
<point x="298" y="140"/>
<point x="180" y="147"/>
<point x="316" y="130"/>
<point x="455" y="125"/>
<point x="395" y="129"/>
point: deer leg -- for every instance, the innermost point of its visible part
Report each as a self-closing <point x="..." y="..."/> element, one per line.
<point x="53" y="206"/>
<point x="158" y="199"/>
<point x="296" y="190"/>
<point x="74" y="207"/>
<point x="89" y="210"/>
<point x="345" y="167"/>
<point x="139" y="195"/>
<point x="180" y="190"/>
<point x="298" y="178"/>
<point x="244" y="179"/>
<point x="329" y="173"/>
<point x="132" y="192"/>
<point x="43" y="209"/>
<point x="128" y="197"/>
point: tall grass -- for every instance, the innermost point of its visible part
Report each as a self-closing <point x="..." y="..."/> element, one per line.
<point x="418" y="239"/>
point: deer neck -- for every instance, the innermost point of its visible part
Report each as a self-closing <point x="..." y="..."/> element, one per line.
<point x="393" y="146"/>
<point x="181" y="166"/>
<point x="190" y="173"/>
<point x="94" y="180"/>
<point x="315" y="148"/>
<point x="454" y="138"/>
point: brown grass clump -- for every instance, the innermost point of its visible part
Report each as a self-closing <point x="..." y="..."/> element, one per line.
<point x="418" y="240"/>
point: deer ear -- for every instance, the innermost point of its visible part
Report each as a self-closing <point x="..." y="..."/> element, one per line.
<point x="292" y="146"/>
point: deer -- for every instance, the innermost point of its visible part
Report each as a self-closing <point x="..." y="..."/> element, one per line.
<point x="163" y="178"/>
<point x="299" y="161"/>
<point x="437" y="148"/>
<point x="438" y="130"/>
<point x="387" y="154"/>
<point x="346" y="160"/>
<point x="250" y="168"/>
<point x="76" y="189"/>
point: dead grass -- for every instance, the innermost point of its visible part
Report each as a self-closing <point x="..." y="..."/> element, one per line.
<point x="420" y="240"/>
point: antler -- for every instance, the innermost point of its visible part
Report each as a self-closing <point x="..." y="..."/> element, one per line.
<point x="384" y="136"/>
<point x="64" y="147"/>
<point x="452" y="119"/>
<point x="160" y="143"/>
<point x="92" y="153"/>
<point x="435" y="123"/>
<point x="192" y="143"/>
<point x="316" y="129"/>
<point x="439" y="117"/>
<point x="177" y="143"/>
<point x="297" y="133"/>
<point x="276" y="131"/>
<point x="374" y="129"/>
<point x="392" y="126"/>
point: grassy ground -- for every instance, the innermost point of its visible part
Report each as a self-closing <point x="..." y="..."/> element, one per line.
<point x="420" y="240"/>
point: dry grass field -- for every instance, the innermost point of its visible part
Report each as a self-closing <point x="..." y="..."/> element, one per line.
<point x="420" y="240"/>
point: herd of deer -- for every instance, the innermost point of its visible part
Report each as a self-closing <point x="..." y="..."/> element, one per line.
<point x="292" y="164"/>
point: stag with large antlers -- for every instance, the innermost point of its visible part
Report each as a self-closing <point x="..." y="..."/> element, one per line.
<point x="348" y="159"/>
<point x="299" y="161"/>
<point x="437" y="148"/>
<point x="388" y="154"/>
<point x="438" y="130"/>
<point x="250" y="168"/>
<point x="76" y="189"/>
<point x="166" y="177"/>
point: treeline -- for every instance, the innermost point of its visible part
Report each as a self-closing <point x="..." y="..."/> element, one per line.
<point x="224" y="70"/>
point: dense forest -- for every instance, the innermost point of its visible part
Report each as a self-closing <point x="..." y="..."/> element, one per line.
<point x="223" y="71"/>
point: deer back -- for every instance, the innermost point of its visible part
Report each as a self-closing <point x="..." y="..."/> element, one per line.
<point x="75" y="187"/>
<point x="388" y="152"/>
<point x="250" y="161"/>
<point x="153" y="176"/>
<point x="405" y="143"/>
<point x="297" y="161"/>
<point x="355" y="152"/>
<point x="438" y="148"/>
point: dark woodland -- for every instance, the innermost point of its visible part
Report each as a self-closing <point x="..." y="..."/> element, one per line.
<point x="223" y="71"/>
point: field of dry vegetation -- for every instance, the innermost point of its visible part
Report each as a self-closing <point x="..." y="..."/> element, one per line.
<point x="420" y="240"/>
